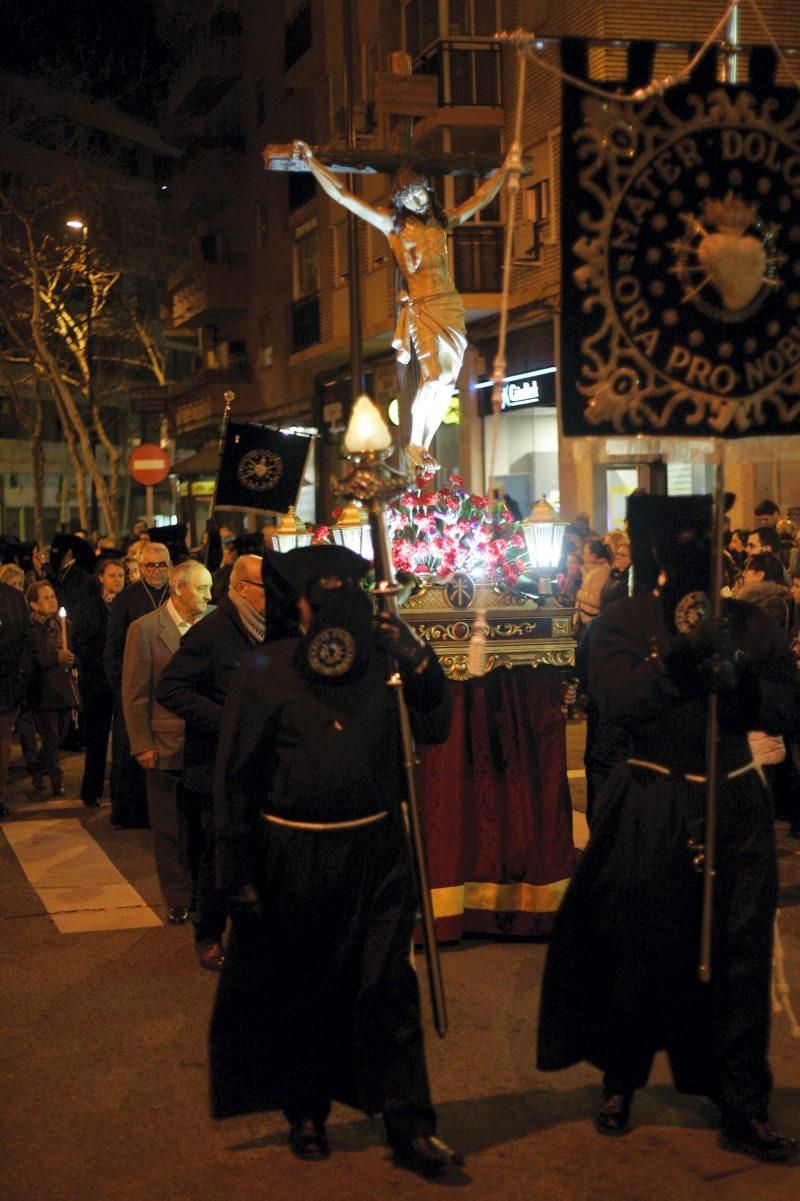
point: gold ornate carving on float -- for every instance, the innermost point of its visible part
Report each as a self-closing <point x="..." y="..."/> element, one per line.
<point x="517" y="629"/>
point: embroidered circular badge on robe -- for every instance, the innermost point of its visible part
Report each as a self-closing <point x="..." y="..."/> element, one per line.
<point x="332" y="652"/>
<point x="691" y="610"/>
<point x="259" y="470"/>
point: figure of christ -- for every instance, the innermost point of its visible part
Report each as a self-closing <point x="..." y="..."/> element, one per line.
<point x="430" y="311"/>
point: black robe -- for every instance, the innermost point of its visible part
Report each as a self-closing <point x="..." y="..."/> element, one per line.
<point x="621" y="974"/>
<point x="318" y="999"/>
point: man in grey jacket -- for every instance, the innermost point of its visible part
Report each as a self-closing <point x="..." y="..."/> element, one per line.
<point x="156" y="735"/>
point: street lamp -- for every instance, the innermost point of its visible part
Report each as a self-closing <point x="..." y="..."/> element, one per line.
<point x="290" y="533"/>
<point x="544" y="535"/>
<point x="79" y="225"/>
<point x="353" y="530"/>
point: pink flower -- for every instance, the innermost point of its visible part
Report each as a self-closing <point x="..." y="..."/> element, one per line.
<point x="321" y="534"/>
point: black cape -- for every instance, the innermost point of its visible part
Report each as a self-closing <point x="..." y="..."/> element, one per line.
<point x="621" y="974"/>
<point x="318" y="997"/>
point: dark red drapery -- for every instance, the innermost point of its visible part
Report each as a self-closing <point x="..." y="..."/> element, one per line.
<point x="496" y="806"/>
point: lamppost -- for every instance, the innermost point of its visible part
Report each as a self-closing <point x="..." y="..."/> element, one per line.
<point x="78" y="224"/>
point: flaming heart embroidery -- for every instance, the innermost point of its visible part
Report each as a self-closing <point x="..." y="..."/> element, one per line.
<point x="734" y="261"/>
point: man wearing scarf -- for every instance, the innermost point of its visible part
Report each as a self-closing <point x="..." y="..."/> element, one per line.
<point x="318" y="1000"/>
<point x="194" y="686"/>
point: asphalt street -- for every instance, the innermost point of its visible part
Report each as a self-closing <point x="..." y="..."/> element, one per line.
<point x="104" y="1069"/>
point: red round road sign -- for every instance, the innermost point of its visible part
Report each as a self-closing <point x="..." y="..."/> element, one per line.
<point x="148" y="464"/>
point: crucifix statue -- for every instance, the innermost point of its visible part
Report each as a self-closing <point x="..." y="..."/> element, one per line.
<point x="430" y="313"/>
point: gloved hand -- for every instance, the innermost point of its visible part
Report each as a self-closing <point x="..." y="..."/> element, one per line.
<point x="245" y="905"/>
<point x="400" y="641"/>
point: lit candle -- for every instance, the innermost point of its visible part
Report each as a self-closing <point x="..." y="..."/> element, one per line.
<point x="62" y="617"/>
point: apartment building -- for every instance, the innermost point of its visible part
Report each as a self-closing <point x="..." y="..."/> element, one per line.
<point x="264" y="288"/>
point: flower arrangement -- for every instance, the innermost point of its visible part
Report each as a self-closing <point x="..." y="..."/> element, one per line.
<point x="437" y="533"/>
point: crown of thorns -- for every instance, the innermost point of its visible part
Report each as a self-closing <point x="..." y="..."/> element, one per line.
<point x="408" y="184"/>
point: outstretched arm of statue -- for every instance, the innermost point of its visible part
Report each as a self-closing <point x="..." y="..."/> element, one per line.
<point x="487" y="191"/>
<point x="379" y="217"/>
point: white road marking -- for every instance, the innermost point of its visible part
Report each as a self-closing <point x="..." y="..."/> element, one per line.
<point x="580" y="830"/>
<point x="75" y="880"/>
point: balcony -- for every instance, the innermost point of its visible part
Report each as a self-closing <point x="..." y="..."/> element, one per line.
<point x="468" y="70"/>
<point x="305" y="323"/>
<point x="208" y="293"/>
<point x="209" y="183"/>
<point x="199" y="400"/>
<point x="210" y="69"/>
<point x="477" y="252"/>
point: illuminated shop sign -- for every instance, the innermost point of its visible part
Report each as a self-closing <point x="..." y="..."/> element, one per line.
<point x="521" y="391"/>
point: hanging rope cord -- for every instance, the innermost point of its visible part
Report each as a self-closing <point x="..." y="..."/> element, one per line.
<point x="528" y="43"/>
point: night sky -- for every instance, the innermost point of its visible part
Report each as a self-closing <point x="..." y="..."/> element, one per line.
<point x="104" y="49"/>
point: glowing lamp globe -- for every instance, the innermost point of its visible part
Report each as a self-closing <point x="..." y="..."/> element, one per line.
<point x="290" y="533"/>
<point x="352" y="530"/>
<point x="366" y="430"/>
<point x="544" y="534"/>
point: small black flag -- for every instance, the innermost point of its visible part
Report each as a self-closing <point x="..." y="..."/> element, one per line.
<point x="261" y="468"/>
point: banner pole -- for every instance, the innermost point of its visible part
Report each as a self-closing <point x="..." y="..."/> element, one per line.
<point x="712" y="770"/>
<point x="229" y="398"/>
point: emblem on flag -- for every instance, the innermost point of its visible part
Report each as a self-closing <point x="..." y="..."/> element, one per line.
<point x="261" y="468"/>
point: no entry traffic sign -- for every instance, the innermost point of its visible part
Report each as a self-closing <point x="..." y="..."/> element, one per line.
<point x="148" y="464"/>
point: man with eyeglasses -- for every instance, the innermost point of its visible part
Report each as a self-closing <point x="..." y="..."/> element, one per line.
<point x="193" y="686"/>
<point x="157" y="737"/>
<point x="766" y="540"/>
<point x="128" y="791"/>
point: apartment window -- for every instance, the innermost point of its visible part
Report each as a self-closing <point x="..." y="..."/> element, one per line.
<point x="533" y="231"/>
<point x="371" y="61"/>
<point x="472" y="18"/>
<point x="465" y="186"/>
<point x="297" y="36"/>
<point x="259" y="102"/>
<point x="341" y="254"/>
<point x="305" y="260"/>
<point x="420" y="25"/>
<point x="262" y="228"/>
<point x="377" y="248"/>
<point x="302" y="188"/>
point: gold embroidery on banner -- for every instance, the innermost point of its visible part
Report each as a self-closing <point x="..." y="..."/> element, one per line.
<point x="677" y="277"/>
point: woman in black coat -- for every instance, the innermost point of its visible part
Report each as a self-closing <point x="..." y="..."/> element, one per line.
<point x="89" y="638"/>
<point x="53" y="693"/>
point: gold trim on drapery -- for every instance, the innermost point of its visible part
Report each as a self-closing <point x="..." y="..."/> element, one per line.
<point x="498" y="898"/>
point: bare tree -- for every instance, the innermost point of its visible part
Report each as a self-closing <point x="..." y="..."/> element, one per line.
<point x="70" y="325"/>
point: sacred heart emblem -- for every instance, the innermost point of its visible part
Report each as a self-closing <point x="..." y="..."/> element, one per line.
<point x="735" y="261"/>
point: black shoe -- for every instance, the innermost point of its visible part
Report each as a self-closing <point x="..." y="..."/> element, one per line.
<point x="614" y="1114"/>
<point x="178" y="915"/>
<point x="4" y="810"/>
<point x="38" y="782"/>
<point x="57" y="789"/>
<point x="427" y="1156"/>
<point x="308" y="1140"/>
<point x="759" y="1140"/>
<point x="92" y="804"/>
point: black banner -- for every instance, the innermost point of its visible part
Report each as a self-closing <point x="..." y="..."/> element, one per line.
<point x="681" y="254"/>
<point x="261" y="468"/>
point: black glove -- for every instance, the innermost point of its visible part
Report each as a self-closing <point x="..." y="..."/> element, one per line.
<point x="400" y="641"/>
<point x="245" y="905"/>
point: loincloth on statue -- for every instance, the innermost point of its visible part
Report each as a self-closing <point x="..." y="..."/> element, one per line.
<point x="432" y="322"/>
